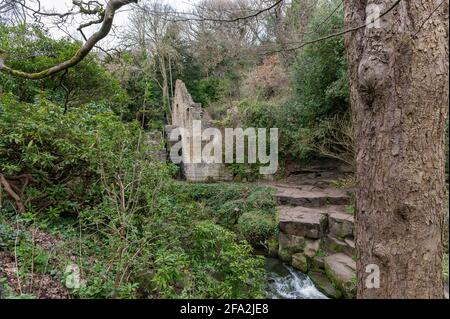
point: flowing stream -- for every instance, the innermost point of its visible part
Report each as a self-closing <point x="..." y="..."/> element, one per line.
<point x="284" y="282"/>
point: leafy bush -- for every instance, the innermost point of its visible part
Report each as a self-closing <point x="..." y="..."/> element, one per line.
<point x="31" y="49"/>
<point x="256" y="227"/>
<point x="170" y="249"/>
<point x="314" y="121"/>
<point x="58" y="151"/>
<point x="321" y="69"/>
<point x="151" y="239"/>
<point x="8" y="236"/>
<point x="225" y="267"/>
<point x="239" y="207"/>
<point x="137" y="235"/>
<point x="322" y="90"/>
<point x="245" y="172"/>
<point x="210" y="90"/>
<point x="286" y="117"/>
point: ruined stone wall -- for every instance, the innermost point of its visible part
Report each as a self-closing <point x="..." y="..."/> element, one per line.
<point x="184" y="112"/>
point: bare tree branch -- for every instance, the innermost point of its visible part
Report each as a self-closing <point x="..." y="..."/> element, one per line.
<point x="7" y="187"/>
<point x="195" y="17"/>
<point x="302" y="44"/>
<point x="109" y="12"/>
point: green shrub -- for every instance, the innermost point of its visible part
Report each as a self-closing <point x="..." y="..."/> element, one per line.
<point x="210" y="90"/>
<point x="261" y="198"/>
<point x="8" y="236"/>
<point x="245" y="172"/>
<point x="238" y="207"/>
<point x="286" y="117"/>
<point x="165" y="242"/>
<point x="60" y="151"/>
<point x="321" y="70"/>
<point x="322" y="90"/>
<point x="256" y="227"/>
<point x="226" y="268"/>
<point x="31" y="49"/>
<point x="314" y="121"/>
<point x="228" y="213"/>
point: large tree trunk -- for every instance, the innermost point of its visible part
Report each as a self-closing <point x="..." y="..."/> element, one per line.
<point x="399" y="95"/>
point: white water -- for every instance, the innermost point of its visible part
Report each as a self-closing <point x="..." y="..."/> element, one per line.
<point x="284" y="282"/>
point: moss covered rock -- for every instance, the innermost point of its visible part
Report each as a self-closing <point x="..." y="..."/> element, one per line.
<point x="299" y="262"/>
<point x="289" y="245"/>
<point x="324" y="285"/>
<point x="340" y="269"/>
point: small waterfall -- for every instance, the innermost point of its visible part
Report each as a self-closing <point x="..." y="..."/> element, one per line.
<point x="284" y="282"/>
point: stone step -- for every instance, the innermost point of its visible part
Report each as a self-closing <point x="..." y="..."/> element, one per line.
<point x="309" y="196"/>
<point x="303" y="187"/>
<point x="341" y="224"/>
<point x="341" y="270"/>
<point x="302" y="221"/>
<point x="306" y="180"/>
<point x="335" y="245"/>
<point x="330" y="167"/>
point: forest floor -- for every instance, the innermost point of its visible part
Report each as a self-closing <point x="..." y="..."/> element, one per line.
<point x="17" y="280"/>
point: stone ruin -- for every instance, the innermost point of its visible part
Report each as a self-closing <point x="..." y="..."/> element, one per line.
<point x="184" y="112"/>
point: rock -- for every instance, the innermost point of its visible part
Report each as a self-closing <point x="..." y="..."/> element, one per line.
<point x="340" y="269"/>
<point x="324" y="285"/>
<point x="318" y="263"/>
<point x="275" y="266"/>
<point x="302" y="221"/>
<point x="315" y="262"/>
<point x="340" y="224"/>
<point x="299" y="262"/>
<point x="350" y="243"/>
<point x="284" y="255"/>
<point x="311" y="197"/>
<point x="310" y="251"/>
<point x="335" y="245"/>
<point x="289" y="245"/>
<point x="311" y="247"/>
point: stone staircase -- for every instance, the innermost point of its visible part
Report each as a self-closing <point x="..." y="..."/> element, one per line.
<point x="316" y="231"/>
<point x="154" y="140"/>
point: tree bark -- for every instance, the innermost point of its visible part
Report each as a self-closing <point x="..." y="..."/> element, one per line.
<point x="398" y="74"/>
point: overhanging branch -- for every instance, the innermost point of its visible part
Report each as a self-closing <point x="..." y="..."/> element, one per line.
<point x="110" y="10"/>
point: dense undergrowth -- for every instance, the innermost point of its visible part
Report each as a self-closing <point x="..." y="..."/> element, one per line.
<point x="178" y="249"/>
<point x="121" y="218"/>
<point x="246" y="209"/>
